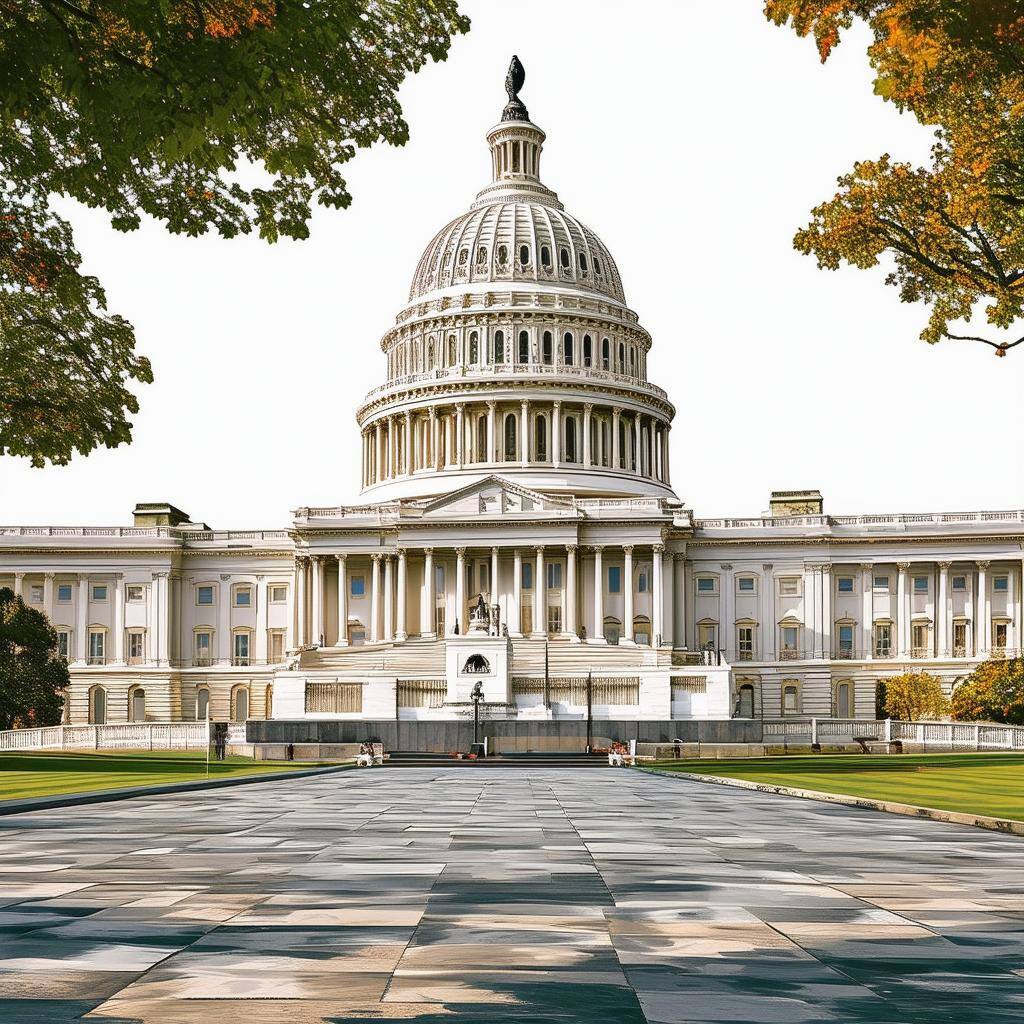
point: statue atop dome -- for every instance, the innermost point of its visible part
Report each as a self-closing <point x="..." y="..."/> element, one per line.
<point x="515" y="110"/>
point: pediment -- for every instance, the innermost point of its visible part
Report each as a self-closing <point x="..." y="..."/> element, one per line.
<point x="493" y="496"/>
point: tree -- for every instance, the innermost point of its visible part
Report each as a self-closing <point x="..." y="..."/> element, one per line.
<point x="33" y="675"/>
<point x="915" y="695"/>
<point x="171" y="110"/>
<point x="954" y="230"/>
<point x="993" y="692"/>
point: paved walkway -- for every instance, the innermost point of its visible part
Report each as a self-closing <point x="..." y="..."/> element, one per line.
<point x="500" y="895"/>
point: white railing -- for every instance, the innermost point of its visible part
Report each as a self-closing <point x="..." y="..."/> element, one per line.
<point x="946" y="735"/>
<point x="913" y="519"/>
<point x="129" y="736"/>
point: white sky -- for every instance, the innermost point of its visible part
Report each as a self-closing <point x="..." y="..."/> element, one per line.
<point x="694" y="138"/>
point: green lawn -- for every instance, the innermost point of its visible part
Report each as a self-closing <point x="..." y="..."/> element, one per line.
<point x="25" y="775"/>
<point x="974" y="783"/>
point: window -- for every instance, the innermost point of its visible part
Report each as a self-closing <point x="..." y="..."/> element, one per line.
<point x="357" y="586"/>
<point x="241" y="649"/>
<point x="707" y="634"/>
<point x="524" y="255"/>
<point x="481" y="254"/>
<point x="790" y="647"/>
<point x="642" y="631"/>
<point x="843" y="704"/>
<point x="845" y="585"/>
<point x="745" y="584"/>
<point x="64" y="592"/>
<point x="99" y="592"/>
<point x="583" y="262"/>
<point x="202" y="704"/>
<point x="745" y="701"/>
<point x="135" y="593"/>
<point x="98" y="706"/>
<point x="920" y="584"/>
<point x="790" y="698"/>
<point x="136" y="647"/>
<point x="474" y="347"/>
<point x="524" y="347"/>
<point x="845" y="642"/>
<point x="545" y="257"/>
<point x="35" y="593"/>
<point x="239" y="704"/>
<point x="203" y="647"/>
<point x="97" y="647"/>
<point x="567" y="352"/>
<point x="614" y="579"/>
<point x="919" y="640"/>
<point x="63" y="642"/>
<point x="960" y="639"/>
<point x="546" y="348"/>
<point x="541" y="438"/>
<point x="503" y="254"/>
<point x="999" y="634"/>
<point x="277" y="593"/>
<point x="554" y="618"/>
<point x="137" y="705"/>
<point x="883" y="640"/>
<point x="204" y="594"/>
<point x="499" y="346"/>
<point x="463" y="257"/>
<point x="588" y="355"/>
<point x="357" y="634"/>
<point x="554" y="575"/>
<point x="705" y="584"/>
<point x="612" y="630"/>
<point x="642" y="580"/>
<point x="745" y="643"/>
<point x="597" y="265"/>
<point x="789" y="587"/>
<point x="570" y="440"/>
<point x="1001" y="584"/>
<point x="527" y="575"/>
<point x="510" y="438"/>
<point x="605" y="355"/>
<point x="275" y="646"/>
<point x="243" y="596"/>
<point x="563" y="257"/>
<point x="960" y="583"/>
<point x="881" y="583"/>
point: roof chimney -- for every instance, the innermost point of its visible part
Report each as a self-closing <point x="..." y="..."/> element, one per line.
<point x="796" y="503"/>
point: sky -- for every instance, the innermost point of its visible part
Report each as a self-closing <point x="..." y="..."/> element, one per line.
<point x="695" y="138"/>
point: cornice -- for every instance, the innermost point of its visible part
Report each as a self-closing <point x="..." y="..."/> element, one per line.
<point x="766" y="542"/>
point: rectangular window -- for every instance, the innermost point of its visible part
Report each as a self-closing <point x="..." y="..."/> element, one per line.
<point x="554" y="618"/>
<point x="883" y="640"/>
<point x="790" y="649"/>
<point x="136" y="648"/>
<point x="919" y="640"/>
<point x="881" y="583"/>
<point x="64" y="592"/>
<point x="707" y="635"/>
<point x="134" y="593"/>
<point x="641" y="581"/>
<point x="845" y="585"/>
<point x="277" y="593"/>
<point x="705" y="584"/>
<point x="999" y="634"/>
<point x="275" y="646"/>
<point x="485" y="577"/>
<point x="845" y="641"/>
<point x="357" y="586"/>
<point x="99" y="592"/>
<point x="745" y="584"/>
<point x="614" y="579"/>
<point x="438" y="579"/>
<point x="204" y="594"/>
<point x="241" y="649"/>
<point x="203" y="647"/>
<point x="789" y="587"/>
<point x="527" y="575"/>
<point x="745" y="643"/>
<point x="97" y="645"/>
<point x="960" y="583"/>
<point x="959" y="639"/>
<point x="35" y="593"/>
<point x="554" y="575"/>
<point x="1001" y="584"/>
<point x="63" y="642"/>
<point x="790" y="699"/>
<point x="920" y="584"/>
<point x="243" y="597"/>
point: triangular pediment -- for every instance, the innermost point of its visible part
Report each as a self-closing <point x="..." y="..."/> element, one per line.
<point x="494" y="496"/>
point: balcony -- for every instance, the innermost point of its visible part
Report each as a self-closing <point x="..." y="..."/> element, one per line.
<point x="921" y="652"/>
<point x="96" y="659"/>
<point x="241" y="662"/>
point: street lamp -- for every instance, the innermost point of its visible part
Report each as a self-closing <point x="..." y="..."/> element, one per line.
<point x="476" y="696"/>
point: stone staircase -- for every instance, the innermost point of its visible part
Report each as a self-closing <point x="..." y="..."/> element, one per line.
<point x="411" y="658"/>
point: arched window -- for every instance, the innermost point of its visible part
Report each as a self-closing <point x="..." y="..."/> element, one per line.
<point x="597" y="265"/>
<point x="541" y="439"/>
<point x="476" y="665"/>
<point x="570" y="440"/>
<point x="546" y="349"/>
<point x="481" y="440"/>
<point x="745" y="701"/>
<point x="567" y="352"/>
<point x="642" y="631"/>
<point x="136" y="704"/>
<point x="606" y="355"/>
<point x="563" y="257"/>
<point x="632" y="362"/>
<point x="510" y="438"/>
<point x="499" y="346"/>
<point x="502" y="254"/>
<point x="583" y="262"/>
<point x="545" y="257"/>
<point x="239" y="704"/>
<point x="202" y="704"/>
<point x="474" y="348"/>
<point x="524" y="347"/>
<point x="463" y="257"/>
<point x="588" y="355"/>
<point x="97" y="706"/>
<point x="622" y="357"/>
<point x="843" y="700"/>
<point x="524" y="255"/>
<point x="430" y="354"/>
<point x="451" y="350"/>
<point x="481" y="254"/>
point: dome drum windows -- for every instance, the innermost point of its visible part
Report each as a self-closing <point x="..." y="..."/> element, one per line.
<point x="474" y="348"/>
<point x="511" y="431"/>
<point x="524" y="256"/>
<point x="563" y="258"/>
<point x="547" y="349"/>
<point x="588" y="357"/>
<point x="523" y="355"/>
<point x="502" y="257"/>
<point x="499" y="346"/>
<point x="545" y="257"/>
<point x="567" y="349"/>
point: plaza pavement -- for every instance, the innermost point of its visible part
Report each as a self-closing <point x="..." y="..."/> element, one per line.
<point x="501" y="895"/>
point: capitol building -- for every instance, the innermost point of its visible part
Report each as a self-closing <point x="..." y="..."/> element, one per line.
<point x="518" y="536"/>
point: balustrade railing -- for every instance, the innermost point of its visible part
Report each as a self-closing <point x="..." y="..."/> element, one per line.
<point x="939" y="735"/>
<point x="125" y="736"/>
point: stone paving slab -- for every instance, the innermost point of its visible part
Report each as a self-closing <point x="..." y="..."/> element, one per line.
<point x="539" y="895"/>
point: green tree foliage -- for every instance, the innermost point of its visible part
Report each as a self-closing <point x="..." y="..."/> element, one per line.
<point x="171" y="109"/>
<point x="993" y="692"/>
<point x="954" y="230"/>
<point x="913" y="696"/>
<point x="33" y="675"/>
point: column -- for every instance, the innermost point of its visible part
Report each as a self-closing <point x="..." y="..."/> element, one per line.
<point x="435" y="444"/>
<point x="658" y="623"/>
<point x="389" y="599"/>
<point x="48" y="597"/>
<point x="427" y="599"/>
<point x="767" y="631"/>
<point x="942" y="643"/>
<point x="867" y="625"/>
<point x="302" y="637"/>
<point x="460" y="434"/>
<point x="516" y="626"/>
<point x="628" y="613"/>
<point x="494" y="576"/>
<point x="342" y="600"/>
<point x="317" y="587"/>
<point x="261" y="621"/>
<point x="665" y="435"/>
<point x="19" y="585"/>
<point x="375" y="600"/>
<point x="679" y="602"/>
<point x="903" y="610"/>
<point x="118" y="588"/>
<point x="556" y="434"/>
<point x="540" y="595"/>
<point x="984" y="614"/>
<point x="491" y="454"/>
<point x="810" y="615"/>
<point x="163" y="650"/>
<point x="223" y="619"/>
<point x="727" y="626"/>
<point x="572" y="626"/>
<point x="524" y="435"/>
<point x="400" y="631"/>
<point x="615" y="438"/>
<point x="408" y="443"/>
<point x="826" y="612"/>
<point x="598" y="637"/>
<point x="460" y="590"/>
<point x="668" y="597"/>
<point x="637" y="452"/>
<point x="588" y="410"/>
<point x="378" y="457"/>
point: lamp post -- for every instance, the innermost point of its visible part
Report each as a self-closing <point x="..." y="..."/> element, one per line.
<point x="476" y="696"/>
